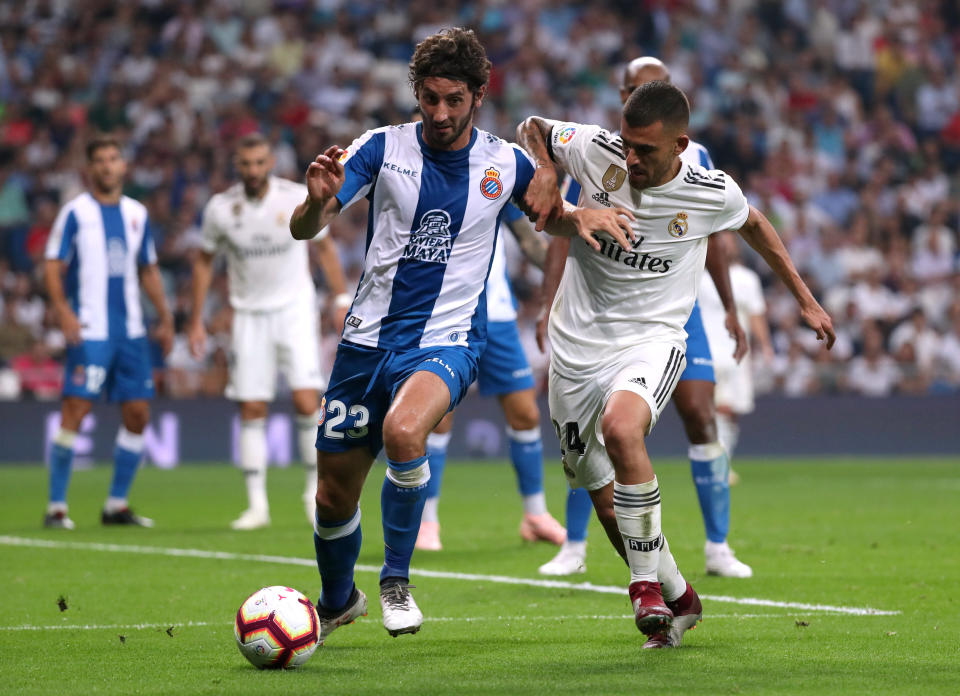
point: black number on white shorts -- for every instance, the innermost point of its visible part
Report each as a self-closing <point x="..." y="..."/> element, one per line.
<point x="569" y="436"/>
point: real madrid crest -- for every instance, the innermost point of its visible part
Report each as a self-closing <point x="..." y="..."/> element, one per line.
<point x="678" y="226"/>
<point x="613" y="178"/>
<point x="490" y="186"/>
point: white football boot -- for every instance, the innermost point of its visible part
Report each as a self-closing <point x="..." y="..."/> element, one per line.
<point x="400" y="613"/>
<point x="251" y="519"/>
<point x="722" y="562"/>
<point x="571" y="559"/>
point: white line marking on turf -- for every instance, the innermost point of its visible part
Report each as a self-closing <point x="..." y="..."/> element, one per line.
<point x="430" y="619"/>
<point x="502" y="579"/>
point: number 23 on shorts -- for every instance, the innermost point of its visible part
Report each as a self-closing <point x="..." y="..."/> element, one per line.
<point x="336" y="412"/>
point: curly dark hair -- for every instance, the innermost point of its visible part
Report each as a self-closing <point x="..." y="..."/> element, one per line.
<point x="454" y="53"/>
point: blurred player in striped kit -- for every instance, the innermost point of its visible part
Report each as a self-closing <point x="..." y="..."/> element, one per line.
<point x="101" y="241"/>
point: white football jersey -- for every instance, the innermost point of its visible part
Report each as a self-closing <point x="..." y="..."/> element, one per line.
<point x="500" y="302"/>
<point x="433" y="225"/>
<point x="611" y="299"/>
<point x="748" y="298"/>
<point x="267" y="268"/>
<point x="103" y="247"/>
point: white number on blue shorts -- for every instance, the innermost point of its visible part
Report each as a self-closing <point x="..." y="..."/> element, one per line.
<point x="359" y="413"/>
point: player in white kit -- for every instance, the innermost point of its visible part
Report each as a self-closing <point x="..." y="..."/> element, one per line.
<point x="734" y="391"/>
<point x="275" y="314"/>
<point x="616" y="325"/>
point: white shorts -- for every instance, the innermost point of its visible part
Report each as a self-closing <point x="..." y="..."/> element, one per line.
<point x="578" y="399"/>
<point x="734" y="386"/>
<point x="285" y="339"/>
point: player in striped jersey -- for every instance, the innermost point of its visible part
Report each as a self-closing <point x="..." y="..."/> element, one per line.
<point x="437" y="191"/>
<point x="102" y="240"/>
<point x="616" y="326"/>
<point x="693" y="397"/>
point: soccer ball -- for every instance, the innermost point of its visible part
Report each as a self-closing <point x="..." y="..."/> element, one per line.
<point x="277" y="627"/>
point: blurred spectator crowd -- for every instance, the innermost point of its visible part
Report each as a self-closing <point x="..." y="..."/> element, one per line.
<point x="840" y="119"/>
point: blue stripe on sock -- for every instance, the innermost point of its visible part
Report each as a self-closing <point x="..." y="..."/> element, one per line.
<point x="527" y="460"/>
<point x="579" y="507"/>
<point x="61" y="464"/>
<point x="125" y="463"/>
<point x="711" y="479"/>
<point x="336" y="559"/>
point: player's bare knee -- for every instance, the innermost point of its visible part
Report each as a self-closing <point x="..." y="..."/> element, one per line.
<point x="524" y="419"/>
<point x="332" y="502"/>
<point x="135" y="416"/>
<point x="621" y="433"/>
<point x="253" y="410"/>
<point x="403" y="438"/>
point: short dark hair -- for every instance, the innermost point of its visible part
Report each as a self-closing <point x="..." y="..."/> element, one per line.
<point x="455" y="54"/>
<point x="254" y="139"/>
<point x="657" y="101"/>
<point x="100" y="141"/>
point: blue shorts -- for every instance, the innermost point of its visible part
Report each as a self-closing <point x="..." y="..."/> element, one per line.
<point x="120" y="367"/>
<point x="503" y="366"/>
<point x="364" y="381"/>
<point x="699" y="358"/>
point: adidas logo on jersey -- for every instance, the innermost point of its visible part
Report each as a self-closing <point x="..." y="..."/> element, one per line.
<point x="638" y="380"/>
<point x="602" y="197"/>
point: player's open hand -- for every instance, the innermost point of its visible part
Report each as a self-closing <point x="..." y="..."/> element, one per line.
<point x="615" y="222"/>
<point x="543" y="197"/>
<point x="817" y="319"/>
<point x="732" y="324"/>
<point x="325" y="175"/>
<point x="197" y="336"/>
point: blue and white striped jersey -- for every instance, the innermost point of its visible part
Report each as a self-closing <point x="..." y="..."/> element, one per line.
<point x="103" y="247"/>
<point x="431" y="232"/>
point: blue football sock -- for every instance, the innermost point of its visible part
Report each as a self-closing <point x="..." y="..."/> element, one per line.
<point x="579" y="507"/>
<point x="711" y="471"/>
<point x="337" y="544"/>
<point x="61" y="464"/>
<point x="401" y="501"/>
<point x="526" y="454"/>
<point x="126" y="459"/>
<point x="437" y="455"/>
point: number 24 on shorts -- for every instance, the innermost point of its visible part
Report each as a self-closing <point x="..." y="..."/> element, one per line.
<point x="338" y="412"/>
<point x="569" y="436"/>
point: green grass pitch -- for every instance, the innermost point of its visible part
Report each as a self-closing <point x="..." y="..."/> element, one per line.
<point x="825" y="537"/>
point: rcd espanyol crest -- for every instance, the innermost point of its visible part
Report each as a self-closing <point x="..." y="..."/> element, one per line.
<point x="431" y="241"/>
<point x="490" y="186"/>
<point x="678" y="226"/>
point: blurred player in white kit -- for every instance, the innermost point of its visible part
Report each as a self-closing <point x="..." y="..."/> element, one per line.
<point x="275" y="312"/>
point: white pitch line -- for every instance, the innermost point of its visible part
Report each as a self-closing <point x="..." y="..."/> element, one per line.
<point x="430" y="619"/>
<point x="502" y="579"/>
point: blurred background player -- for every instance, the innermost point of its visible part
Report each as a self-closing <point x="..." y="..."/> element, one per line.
<point x="693" y="397"/>
<point x="275" y="312"/>
<point x="734" y="391"/>
<point x="505" y="373"/>
<point x="102" y="240"/>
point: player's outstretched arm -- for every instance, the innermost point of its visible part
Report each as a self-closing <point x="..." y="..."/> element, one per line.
<point x="718" y="266"/>
<point x="553" y="266"/>
<point x="533" y="246"/>
<point x="202" y="276"/>
<point x="543" y="197"/>
<point x="324" y="177"/>
<point x="763" y="238"/>
<point x="69" y="323"/>
<point x="329" y="257"/>
<point x="584" y="222"/>
<point x="152" y="285"/>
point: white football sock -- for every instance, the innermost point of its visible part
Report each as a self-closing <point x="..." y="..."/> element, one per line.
<point x="535" y="504"/>
<point x="728" y="432"/>
<point x="637" y="507"/>
<point x="430" y="506"/>
<point x="253" y="462"/>
<point x="674" y="584"/>
<point x="307" y="440"/>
